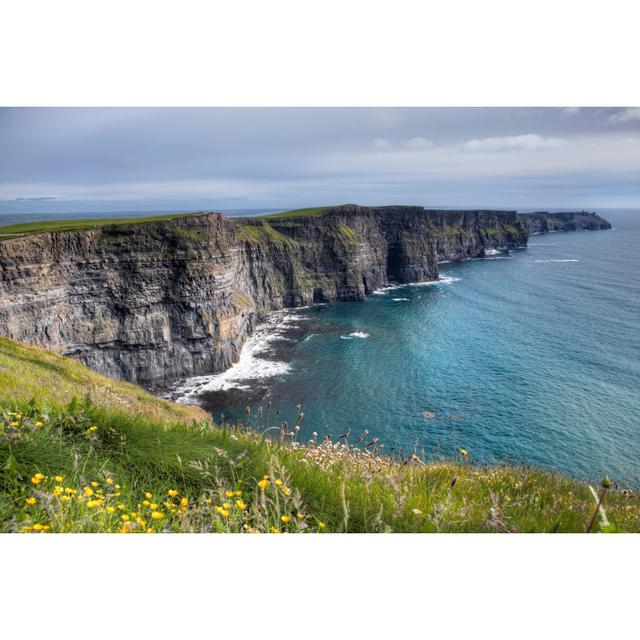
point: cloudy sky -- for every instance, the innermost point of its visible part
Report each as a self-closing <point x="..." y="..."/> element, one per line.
<point x="133" y="159"/>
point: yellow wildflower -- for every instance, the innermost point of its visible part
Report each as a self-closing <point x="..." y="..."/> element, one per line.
<point x="38" y="527"/>
<point x="110" y="510"/>
<point x="300" y="516"/>
<point x="125" y="517"/>
<point x="121" y="507"/>
<point x="241" y="505"/>
<point x="172" y="492"/>
<point x="278" y="483"/>
<point x="94" y="484"/>
<point x="38" y="478"/>
<point x="464" y="453"/>
<point x="237" y="493"/>
<point x="150" y="530"/>
<point x="184" y="503"/>
<point x="274" y="530"/>
<point x="156" y="515"/>
<point x="93" y="503"/>
<point x="15" y="424"/>
<point x="64" y="498"/>
<point x="286" y="519"/>
<point x="153" y="506"/>
<point x="286" y="491"/>
<point x="226" y="505"/>
<point x="26" y="529"/>
<point x="146" y="503"/>
<point x="117" y="486"/>
<point x="148" y="495"/>
<point x="229" y="494"/>
<point x="58" y="478"/>
<point x="109" y="481"/>
<point x="321" y="525"/>
<point x="57" y="491"/>
<point x="88" y="491"/>
<point x="30" y="500"/>
<point x="37" y="425"/>
<point x="141" y="522"/>
<point x="263" y="483"/>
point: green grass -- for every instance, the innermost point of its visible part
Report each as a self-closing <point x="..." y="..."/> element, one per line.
<point x="298" y="213"/>
<point x="321" y="487"/>
<point x="31" y="228"/>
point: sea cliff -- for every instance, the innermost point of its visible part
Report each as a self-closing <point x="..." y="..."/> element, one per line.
<point x="152" y="302"/>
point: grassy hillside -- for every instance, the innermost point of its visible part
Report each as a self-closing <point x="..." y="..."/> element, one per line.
<point x="118" y="460"/>
<point x="30" y="228"/>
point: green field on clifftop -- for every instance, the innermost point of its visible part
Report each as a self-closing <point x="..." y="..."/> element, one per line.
<point x="82" y="453"/>
<point x="31" y="228"/>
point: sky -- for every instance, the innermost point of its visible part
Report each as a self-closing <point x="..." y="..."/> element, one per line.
<point x="169" y="159"/>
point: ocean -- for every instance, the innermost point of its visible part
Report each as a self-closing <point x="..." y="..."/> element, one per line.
<point x="531" y="357"/>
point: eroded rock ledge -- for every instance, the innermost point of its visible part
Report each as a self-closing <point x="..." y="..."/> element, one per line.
<point x="153" y="302"/>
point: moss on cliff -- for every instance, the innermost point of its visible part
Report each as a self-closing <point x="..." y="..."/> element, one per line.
<point x="258" y="233"/>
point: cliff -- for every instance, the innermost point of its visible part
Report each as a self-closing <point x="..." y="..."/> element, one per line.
<point x="152" y="302"/>
<point x="545" y="222"/>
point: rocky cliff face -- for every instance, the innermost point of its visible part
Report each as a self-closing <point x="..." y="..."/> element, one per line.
<point x="154" y="302"/>
<point x="544" y="222"/>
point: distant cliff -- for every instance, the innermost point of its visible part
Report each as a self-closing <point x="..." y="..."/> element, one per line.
<point x="545" y="222"/>
<point x="152" y="302"/>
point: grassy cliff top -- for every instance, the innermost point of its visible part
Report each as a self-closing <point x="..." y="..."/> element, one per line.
<point x="299" y="213"/>
<point x="31" y="228"/>
<point x="130" y="462"/>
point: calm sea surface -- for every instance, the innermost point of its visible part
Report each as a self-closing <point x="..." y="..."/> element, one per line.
<point x="532" y="357"/>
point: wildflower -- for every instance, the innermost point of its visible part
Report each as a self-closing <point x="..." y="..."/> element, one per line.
<point x="57" y="491"/>
<point x="110" y="510"/>
<point x="38" y="478"/>
<point x="26" y="529"/>
<point x="278" y="483"/>
<point x="58" y="478"/>
<point x="208" y="500"/>
<point x="153" y="506"/>
<point x="15" y="424"/>
<point x="263" y="484"/>
<point x="121" y="507"/>
<point x="117" y="486"/>
<point x="150" y="530"/>
<point x="142" y="522"/>
<point x="417" y="512"/>
<point x="222" y="511"/>
<point x="64" y="498"/>
<point x="464" y="453"/>
<point x="38" y="527"/>
<point x="92" y="429"/>
<point x="226" y="505"/>
<point x="94" y="484"/>
<point x="300" y="516"/>
<point x="229" y="494"/>
<point x="30" y="500"/>
<point x="237" y="493"/>
<point x="241" y="505"/>
<point x="88" y="491"/>
<point x="172" y="492"/>
<point x="285" y="519"/>
<point x="37" y="425"/>
<point x="146" y="503"/>
<point x="156" y="515"/>
<point x="148" y="495"/>
<point x="109" y="480"/>
<point x="321" y="525"/>
<point x="93" y="503"/>
<point x="286" y="491"/>
<point x="125" y="517"/>
<point x="274" y="530"/>
<point x="184" y="503"/>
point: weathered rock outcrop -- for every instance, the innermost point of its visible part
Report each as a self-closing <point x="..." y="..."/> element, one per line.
<point x="544" y="222"/>
<point x="156" y="301"/>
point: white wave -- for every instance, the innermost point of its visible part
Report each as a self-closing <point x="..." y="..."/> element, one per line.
<point x="399" y="299"/>
<point x="429" y="283"/>
<point x="554" y="260"/>
<point x="250" y="365"/>
<point x="309" y="337"/>
<point x="541" y="244"/>
<point x="492" y="252"/>
<point x="356" y="334"/>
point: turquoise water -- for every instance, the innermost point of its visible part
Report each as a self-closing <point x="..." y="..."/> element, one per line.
<point x="532" y="358"/>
